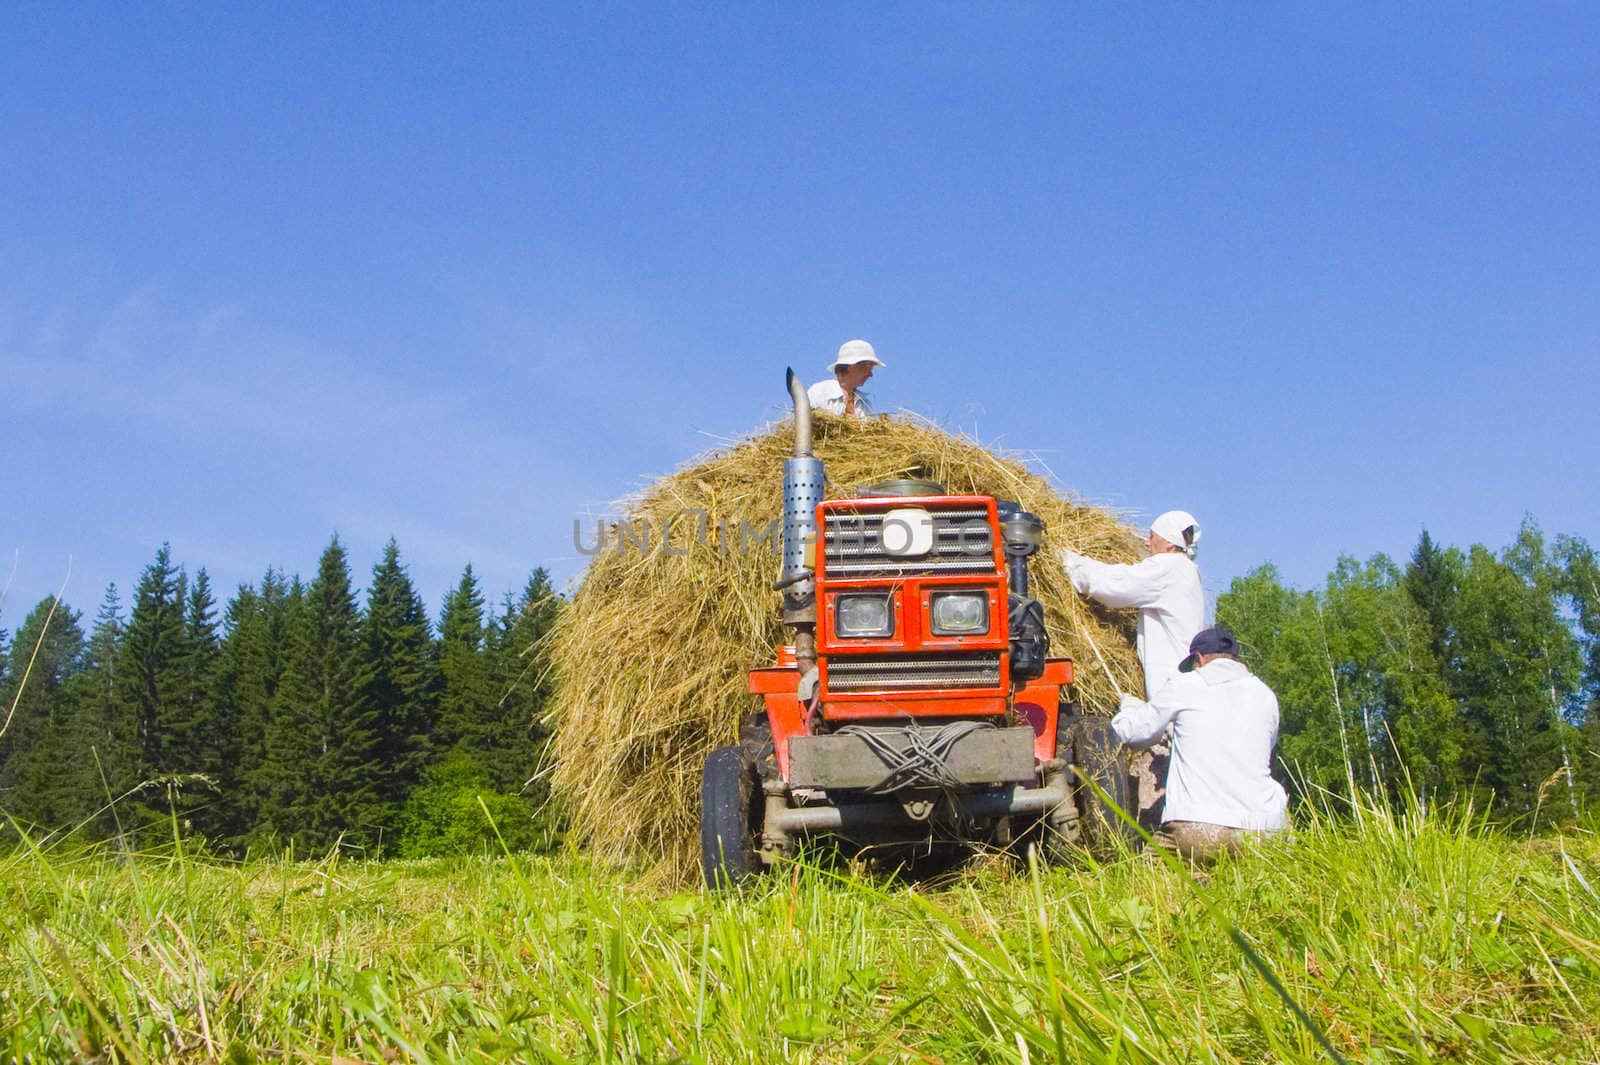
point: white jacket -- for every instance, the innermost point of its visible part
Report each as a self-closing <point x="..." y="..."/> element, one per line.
<point x="1224" y="727"/>
<point x="1172" y="605"/>
<point x="829" y="396"/>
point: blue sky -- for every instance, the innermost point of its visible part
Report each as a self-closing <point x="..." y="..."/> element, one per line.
<point x="457" y="274"/>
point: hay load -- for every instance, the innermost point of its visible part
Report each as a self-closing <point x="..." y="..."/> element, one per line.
<point x="650" y="657"/>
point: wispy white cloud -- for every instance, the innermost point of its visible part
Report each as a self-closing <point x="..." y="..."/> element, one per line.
<point x="212" y="377"/>
<point x="276" y="440"/>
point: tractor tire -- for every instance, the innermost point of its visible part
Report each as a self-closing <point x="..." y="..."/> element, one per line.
<point x="755" y="740"/>
<point x="1060" y="836"/>
<point x="1103" y="786"/>
<point x="730" y="805"/>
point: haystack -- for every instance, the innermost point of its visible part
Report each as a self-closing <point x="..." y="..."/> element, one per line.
<point x="650" y="657"/>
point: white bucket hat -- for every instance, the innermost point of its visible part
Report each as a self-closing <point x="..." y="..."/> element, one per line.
<point x="1178" y="528"/>
<point x="854" y="351"/>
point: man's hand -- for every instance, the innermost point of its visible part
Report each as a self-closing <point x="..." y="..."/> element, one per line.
<point x="1073" y="562"/>
<point x="1138" y="724"/>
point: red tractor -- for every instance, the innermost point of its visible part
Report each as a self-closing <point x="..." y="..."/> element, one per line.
<point x="917" y="703"/>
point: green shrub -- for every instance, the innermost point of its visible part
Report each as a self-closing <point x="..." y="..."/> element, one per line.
<point x="456" y="810"/>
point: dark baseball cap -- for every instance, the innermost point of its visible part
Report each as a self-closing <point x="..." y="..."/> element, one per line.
<point x="1217" y="640"/>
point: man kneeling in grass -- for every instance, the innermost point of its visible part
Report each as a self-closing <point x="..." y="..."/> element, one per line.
<point x="1224" y="727"/>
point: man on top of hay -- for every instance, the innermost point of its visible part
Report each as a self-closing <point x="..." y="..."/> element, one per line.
<point x="1172" y="608"/>
<point x="851" y="369"/>
<point x="1224" y="723"/>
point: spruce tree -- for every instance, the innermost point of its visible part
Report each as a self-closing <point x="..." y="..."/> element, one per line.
<point x="33" y="705"/>
<point x="401" y="677"/>
<point x="101" y="728"/>
<point x="520" y="662"/>
<point x="200" y="735"/>
<point x="249" y="669"/>
<point x="150" y="676"/>
<point x="467" y="695"/>
<point x="444" y="807"/>
<point x="1432" y="577"/>
<point x="256" y="659"/>
<point x="324" y="731"/>
<point x="494" y="687"/>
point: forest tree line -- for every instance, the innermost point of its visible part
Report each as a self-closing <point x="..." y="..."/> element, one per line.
<point x="293" y="716"/>
<point x="1462" y="675"/>
<point x="298" y="714"/>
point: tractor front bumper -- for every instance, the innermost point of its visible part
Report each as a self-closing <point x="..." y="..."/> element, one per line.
<point x="783" y="823"/>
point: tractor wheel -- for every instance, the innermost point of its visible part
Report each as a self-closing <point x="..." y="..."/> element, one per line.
<point x="730" y="804"/>
<point x="1103" y="787"/>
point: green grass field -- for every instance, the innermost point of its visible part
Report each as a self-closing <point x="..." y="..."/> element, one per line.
<point x="1391" y="937"/>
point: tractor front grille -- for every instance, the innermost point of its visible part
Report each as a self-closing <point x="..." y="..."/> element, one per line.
<point x="963" y="543"/>
<point x="913" y="672"/>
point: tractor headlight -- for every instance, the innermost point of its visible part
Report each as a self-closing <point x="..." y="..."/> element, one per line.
<point x="960" y="613"/>
<point x="863" y="615"/>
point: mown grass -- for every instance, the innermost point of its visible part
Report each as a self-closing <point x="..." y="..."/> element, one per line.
<point x="1391" y="936"/>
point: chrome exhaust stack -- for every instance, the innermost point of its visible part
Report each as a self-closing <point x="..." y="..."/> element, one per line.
<point x="802" y="493"/>
<point x="802" y="414"/>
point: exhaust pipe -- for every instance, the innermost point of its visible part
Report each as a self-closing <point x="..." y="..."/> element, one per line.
<point x="802" y="414"/>
<point x="802" y="492"/>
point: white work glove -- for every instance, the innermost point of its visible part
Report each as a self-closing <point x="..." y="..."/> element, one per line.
<point x="1073" y="563"/>
<point x="1127" y="703"/>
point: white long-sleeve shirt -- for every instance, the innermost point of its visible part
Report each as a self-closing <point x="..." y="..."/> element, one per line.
<point x="829" y="396"/>
<point x="1165" y="588"/>
<point x="1224" y="728"/>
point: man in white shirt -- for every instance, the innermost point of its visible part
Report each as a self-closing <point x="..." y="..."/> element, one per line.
<point x="851" y="369"/>
<point x="1224" y="727"/>
<point x="1165" y="587"/>
<point x="1172" y="607"/>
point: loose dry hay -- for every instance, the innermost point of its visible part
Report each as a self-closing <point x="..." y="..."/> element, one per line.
<point x="650" y="657"/>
